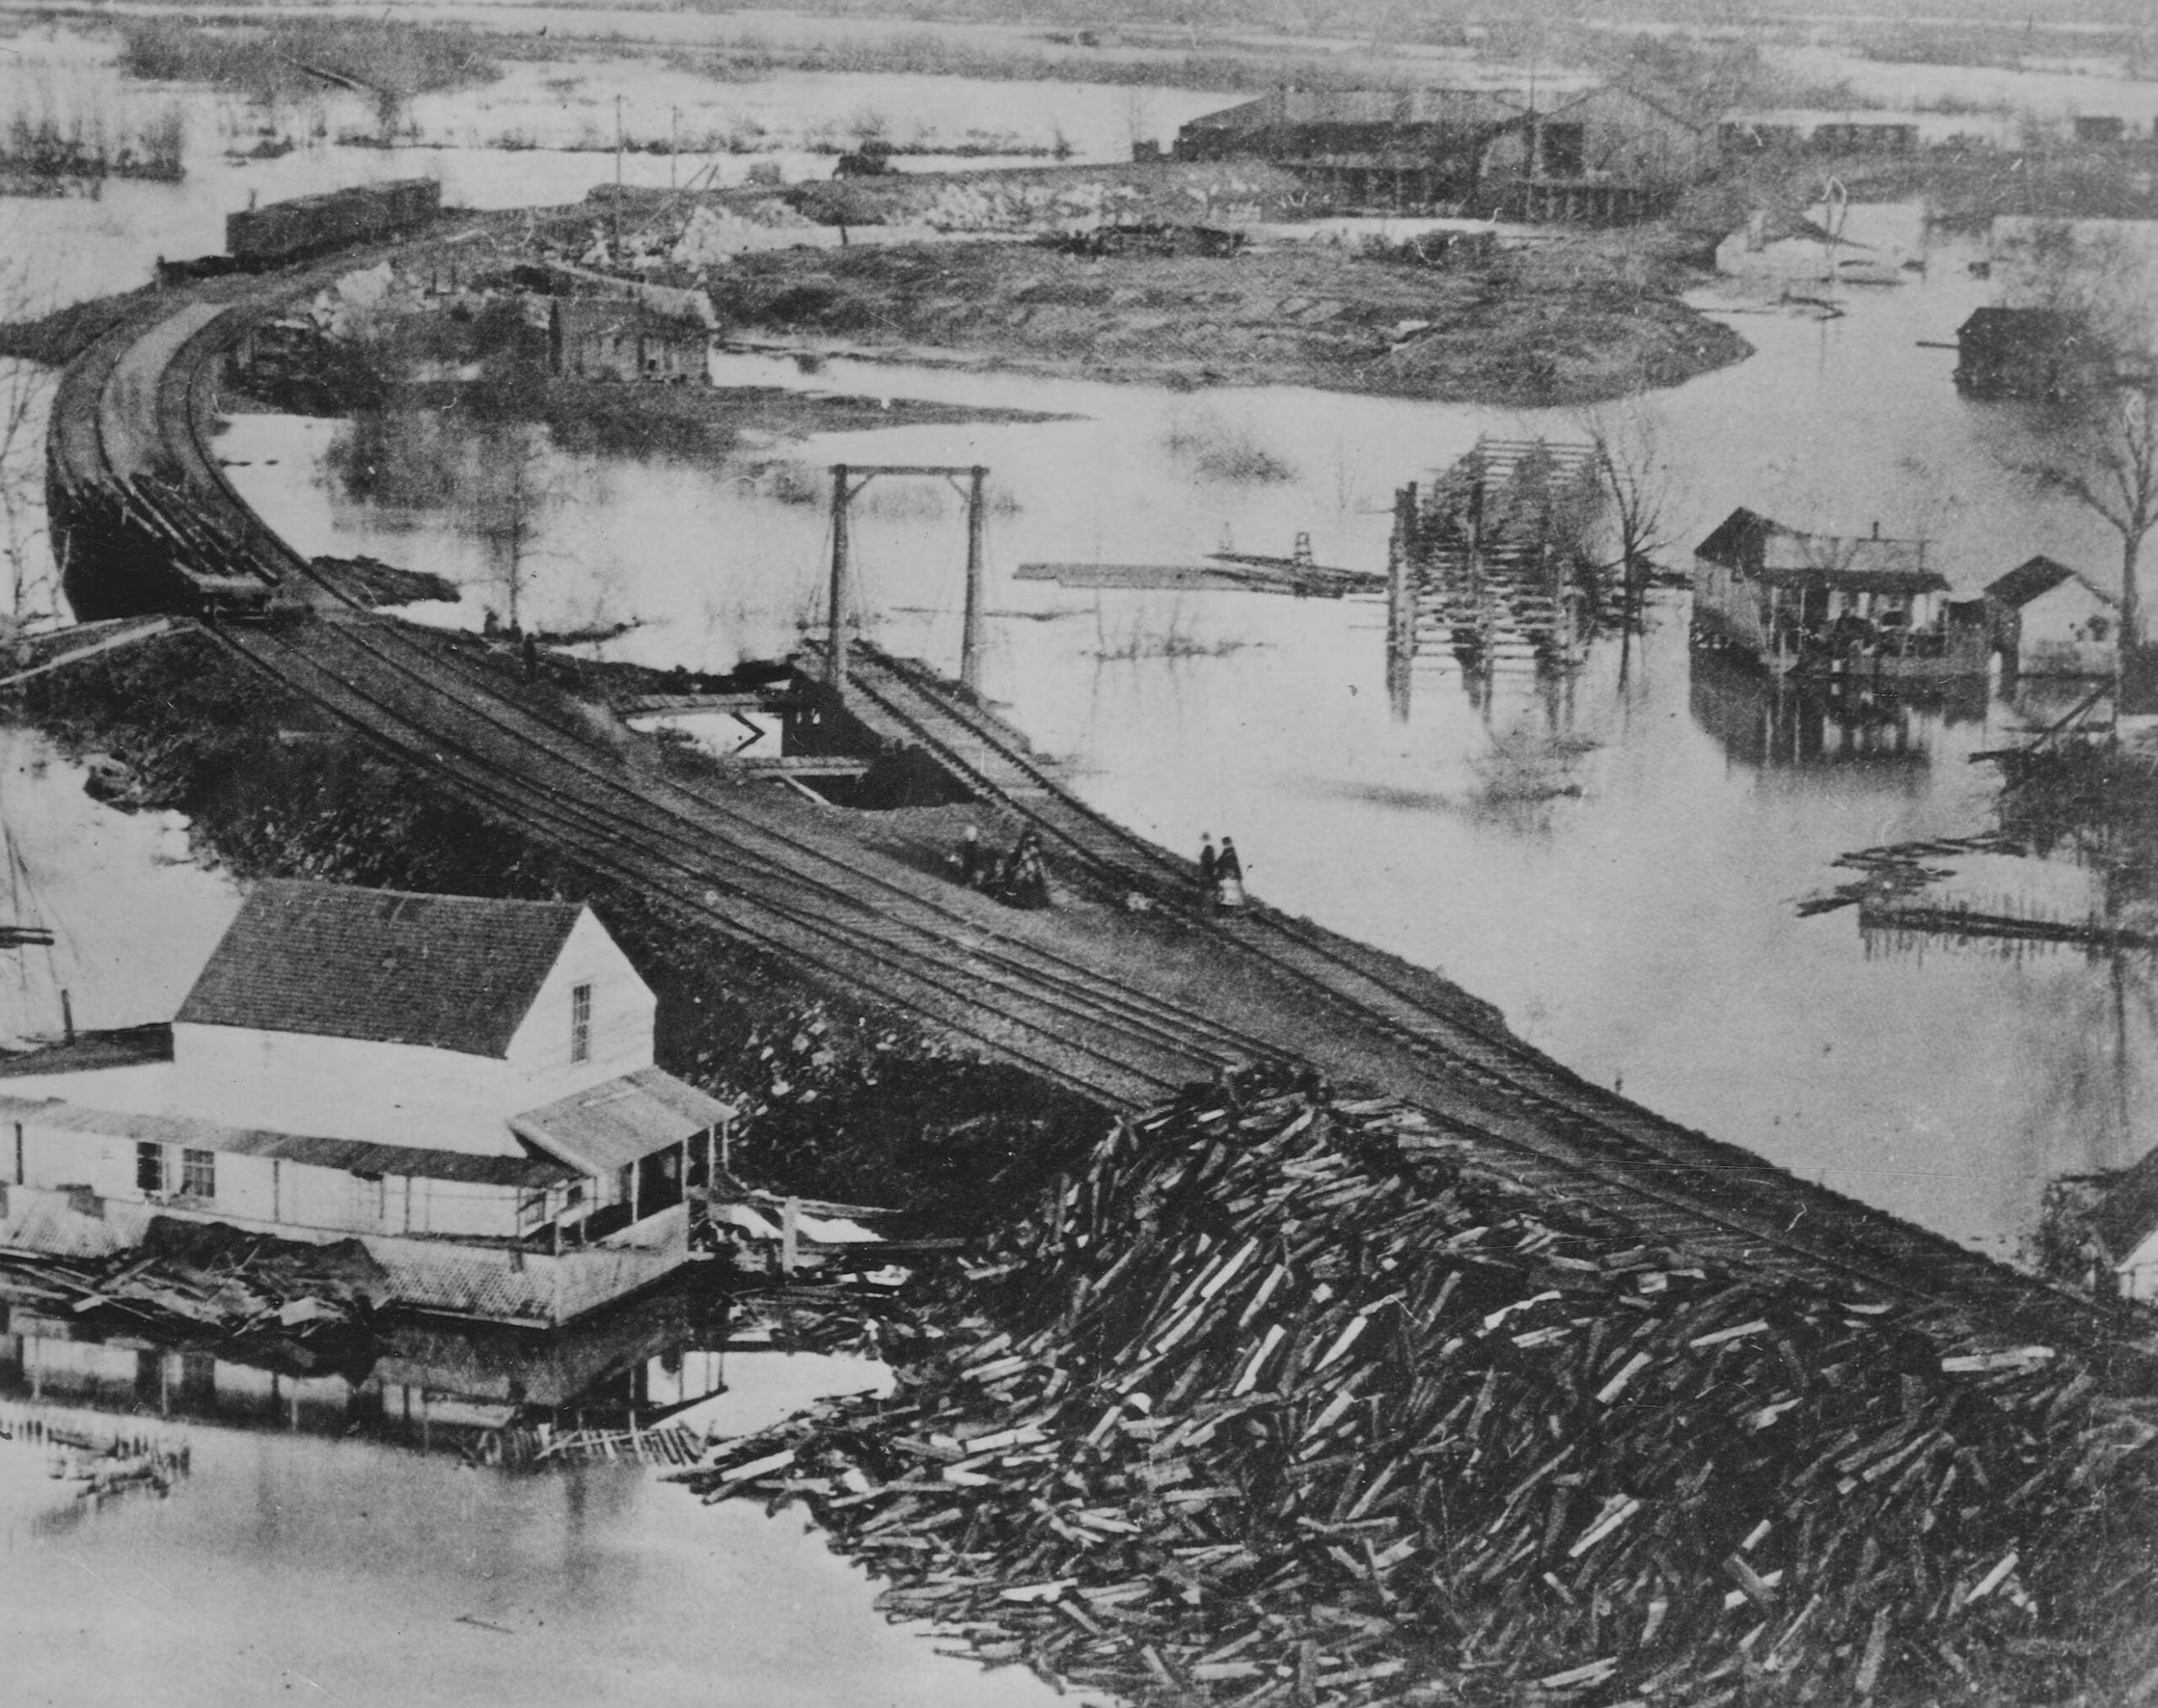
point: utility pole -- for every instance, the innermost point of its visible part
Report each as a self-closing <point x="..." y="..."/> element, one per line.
<point x="618" y="180"/>
<point x="1401" y="602"/>
<point x="673" y="142"/>
<point x="835" y="653"/>
<point x="847" y="480"/>
<point x="970" y="629"/>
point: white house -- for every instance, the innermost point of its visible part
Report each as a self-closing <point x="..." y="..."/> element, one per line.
<point x="414" y="1068"/>
<point x="2048" y="620"/>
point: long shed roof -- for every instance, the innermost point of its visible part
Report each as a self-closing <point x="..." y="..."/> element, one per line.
<point x="447" y="972"/>
<point x="353" y="1156"/>
<point x="1753" y="544"/>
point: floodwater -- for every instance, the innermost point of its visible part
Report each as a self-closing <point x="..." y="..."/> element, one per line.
<point x="1617" y="868"/>
<point x="543" y="134"/>
<point x="1617" y="864"/>
<point x="296" y="1561"/>
<point x="133" y="918"/>
<point x="1613" y="858"/>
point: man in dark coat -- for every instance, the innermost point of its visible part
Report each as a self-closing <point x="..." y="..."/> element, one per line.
<point x="971" y="859"/>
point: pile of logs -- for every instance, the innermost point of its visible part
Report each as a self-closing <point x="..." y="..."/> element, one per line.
<point x="1284" y="1402"/>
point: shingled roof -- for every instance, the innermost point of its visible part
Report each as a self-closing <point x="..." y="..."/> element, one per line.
<point x="448" y="972"/>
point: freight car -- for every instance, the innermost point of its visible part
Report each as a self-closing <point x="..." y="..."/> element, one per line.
<point x="291" y="231"/>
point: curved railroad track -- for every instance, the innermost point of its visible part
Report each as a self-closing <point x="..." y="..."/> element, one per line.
<point x="1065" y="1000"/>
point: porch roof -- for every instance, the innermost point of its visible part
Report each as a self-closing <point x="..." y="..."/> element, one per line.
<point x="619" y="1121"/>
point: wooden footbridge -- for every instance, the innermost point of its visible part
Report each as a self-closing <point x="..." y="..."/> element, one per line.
<point x="1123" y="998"/>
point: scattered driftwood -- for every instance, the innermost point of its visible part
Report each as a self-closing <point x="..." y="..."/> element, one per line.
<point x="211" y="1283"/>
<point x="1898" y="869"/>
<point x="1287" y="1402"/>
<point x="104" y="1464"/>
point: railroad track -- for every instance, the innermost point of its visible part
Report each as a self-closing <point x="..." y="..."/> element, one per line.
<point x="1011" y="987"/>
<point x="1737" y="1185"/>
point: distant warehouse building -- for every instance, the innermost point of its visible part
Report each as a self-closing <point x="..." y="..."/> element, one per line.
<point x="615" y="338"/>
<point x="1800" y="130"/>
<point x="1603" y="153"/>
<point x="2046" y="354"/>
<point x="1398" y="149"/>
<point x="1605" y="156"/>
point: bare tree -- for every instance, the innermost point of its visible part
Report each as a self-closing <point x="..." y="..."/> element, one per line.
<point x="2105" y="458"/>
<point x="25" y="398"/>
<point x="505" y="501"/>
<point x="2099" y="447"/>
<point x="1634" y="473"/>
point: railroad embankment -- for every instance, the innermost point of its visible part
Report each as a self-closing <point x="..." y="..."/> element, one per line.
<point x="1284" y="1400"/>
<point x="842" y="1099"/>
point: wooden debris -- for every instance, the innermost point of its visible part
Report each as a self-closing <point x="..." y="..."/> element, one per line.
<point x="1269" y="1407"/>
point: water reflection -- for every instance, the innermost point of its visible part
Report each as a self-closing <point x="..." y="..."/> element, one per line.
<point x="432" y="1384"/>
<point x="1768" y="721"/>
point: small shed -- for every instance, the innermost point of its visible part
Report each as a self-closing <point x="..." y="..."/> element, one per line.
<point x="615" y="338"/>
<point x="2047" y="620"/>
<point x="2044" y="354"/>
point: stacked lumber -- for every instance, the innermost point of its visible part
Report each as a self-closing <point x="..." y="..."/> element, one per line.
<point x="1285" y="1402"/>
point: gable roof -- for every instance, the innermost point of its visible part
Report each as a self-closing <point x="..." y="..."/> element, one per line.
<point x="2036" y="576"/>
<point x="1752" y="545"/>
<point x="445" y="972"/>
<point x="1737" y="540"/>
<point x="1626" y="92"/>
<point x="2129" y="1212"/>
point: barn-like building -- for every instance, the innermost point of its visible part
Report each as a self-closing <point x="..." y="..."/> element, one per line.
<point x="467" y="1084"/>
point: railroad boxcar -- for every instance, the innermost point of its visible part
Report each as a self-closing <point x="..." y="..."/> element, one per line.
<point x="313" y="225"/>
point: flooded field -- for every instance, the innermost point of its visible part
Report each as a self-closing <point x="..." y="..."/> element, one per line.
<point x="543" y="134"/>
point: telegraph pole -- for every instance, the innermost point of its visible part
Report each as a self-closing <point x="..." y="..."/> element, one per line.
<point x="970" y="630"/>
<point x="847" y="480"/>
<point x="835" y="653"/>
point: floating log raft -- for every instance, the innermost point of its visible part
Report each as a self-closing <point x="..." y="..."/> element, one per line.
<point x="370" y="582"/>
<point x="1224" y="571"/>
<point x="1285" y="1402"/>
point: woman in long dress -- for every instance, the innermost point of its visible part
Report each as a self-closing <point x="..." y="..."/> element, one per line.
<point x="1228" y="877"/>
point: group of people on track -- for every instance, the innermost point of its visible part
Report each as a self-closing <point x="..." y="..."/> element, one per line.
<point x="1221" y="873"/>
<point x="1019" y="876"/>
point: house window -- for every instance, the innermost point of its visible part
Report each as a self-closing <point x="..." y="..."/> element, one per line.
<point x="2100" y="628"/>
<point x="580" y="1022"/>
<point x="198" y="1174"/>
<point x="149" y="1167"/>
